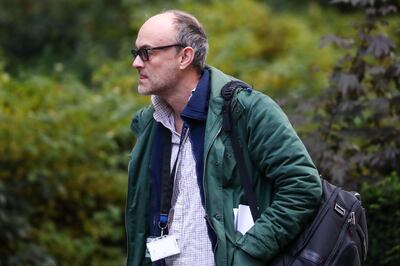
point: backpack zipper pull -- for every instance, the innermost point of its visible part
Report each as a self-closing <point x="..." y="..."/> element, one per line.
<point x="352" y="219"/>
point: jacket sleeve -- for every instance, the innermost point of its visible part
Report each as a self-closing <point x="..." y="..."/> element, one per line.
<point x="282" y="157"/>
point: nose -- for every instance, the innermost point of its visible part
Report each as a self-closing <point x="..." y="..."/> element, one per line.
<point x="137" y="62"/>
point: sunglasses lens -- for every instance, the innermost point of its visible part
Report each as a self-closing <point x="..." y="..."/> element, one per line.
<point x="134" y="52"/>
<point x="143" y="54"/>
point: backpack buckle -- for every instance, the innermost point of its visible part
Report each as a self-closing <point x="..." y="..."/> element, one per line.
<point x="340" y="210"/>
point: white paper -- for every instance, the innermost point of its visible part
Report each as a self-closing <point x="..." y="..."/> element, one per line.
<point x="243" y="220"/>
<point x="162" y="247"/>
<point x="235" y="214"/>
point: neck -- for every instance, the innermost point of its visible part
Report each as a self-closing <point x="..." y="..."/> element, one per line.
<point x="179" y="97"/>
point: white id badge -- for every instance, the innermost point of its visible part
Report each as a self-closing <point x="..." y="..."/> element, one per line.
<point x="162" y="247"/>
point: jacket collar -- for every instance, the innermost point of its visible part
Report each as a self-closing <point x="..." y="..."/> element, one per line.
<point x="197" y="106"/>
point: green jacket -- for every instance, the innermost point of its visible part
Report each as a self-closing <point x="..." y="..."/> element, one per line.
<point x="285" y="179"/>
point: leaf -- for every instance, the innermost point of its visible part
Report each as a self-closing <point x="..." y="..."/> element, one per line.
<point x="341" y="42"/>
<point x="339" y="1"/>
<point x="377" y="70"/>
<point x="347" y="83"/>
<point x="354" y="2"/>
<point x="345" y="59"/>
<point x="379" y="46"/>
<point x="380" y="104"/>
<point x="350" y="107"/>
<point x="387" y="9"/>
<point x="364" y="2"/>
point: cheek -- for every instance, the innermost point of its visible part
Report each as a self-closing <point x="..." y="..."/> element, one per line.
<point x="165" y="72"/>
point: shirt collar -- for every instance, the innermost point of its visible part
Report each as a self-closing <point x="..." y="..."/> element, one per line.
<point x="163" y="112"/>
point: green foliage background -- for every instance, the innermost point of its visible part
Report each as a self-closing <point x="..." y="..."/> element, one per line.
<point x="67" y="94"/>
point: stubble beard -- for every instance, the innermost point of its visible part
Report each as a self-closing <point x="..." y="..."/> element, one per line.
<point x="143" y="90"/>
<point x="156" y="86"/>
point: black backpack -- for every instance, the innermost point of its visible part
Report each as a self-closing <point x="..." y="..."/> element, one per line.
<point x="338" y="233"/>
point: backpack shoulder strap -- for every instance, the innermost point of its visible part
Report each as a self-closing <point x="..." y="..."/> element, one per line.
<point x="227" y="93"/>
<point x="228" y="126"/>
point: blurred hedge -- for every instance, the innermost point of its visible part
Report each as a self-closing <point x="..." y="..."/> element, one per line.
<point x="274" y="50"/>
<point x="382" y="202"/>
<point x="63" y="154"/>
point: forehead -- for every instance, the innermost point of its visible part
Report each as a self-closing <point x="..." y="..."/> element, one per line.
<point x="156" y="31"/>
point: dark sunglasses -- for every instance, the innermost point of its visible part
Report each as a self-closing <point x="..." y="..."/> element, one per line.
<point x="143" y="53"/>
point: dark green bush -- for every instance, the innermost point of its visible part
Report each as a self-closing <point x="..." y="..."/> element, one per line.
<point x="357" y="115"/>
<point x="382" y="203"/>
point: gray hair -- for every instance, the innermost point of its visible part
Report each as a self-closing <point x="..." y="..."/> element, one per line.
<point x="191" y="33"/>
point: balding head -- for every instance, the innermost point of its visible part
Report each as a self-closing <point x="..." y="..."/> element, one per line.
<point x="174" y="26"/>
<point x="157" y="30"/>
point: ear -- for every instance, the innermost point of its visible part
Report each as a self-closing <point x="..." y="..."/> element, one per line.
<point x="187" y="56"/>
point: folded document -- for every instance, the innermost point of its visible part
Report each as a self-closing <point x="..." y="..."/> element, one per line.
<point x="243" y="220"/>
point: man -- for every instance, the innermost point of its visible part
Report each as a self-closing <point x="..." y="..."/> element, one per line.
<point x="181" y="150"/>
